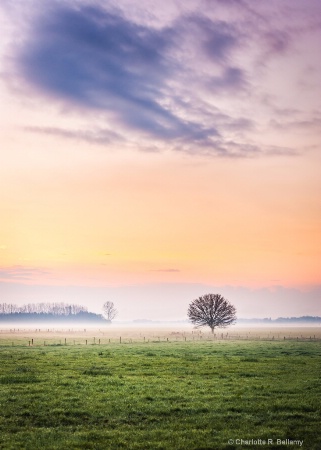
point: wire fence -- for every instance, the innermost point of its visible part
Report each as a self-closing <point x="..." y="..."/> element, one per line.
<point x="83" y="337"/>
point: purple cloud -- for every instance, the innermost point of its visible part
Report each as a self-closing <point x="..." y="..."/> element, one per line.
<point x="190" y="81"/>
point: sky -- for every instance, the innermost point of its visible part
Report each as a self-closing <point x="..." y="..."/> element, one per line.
<point x="152" y="152"/>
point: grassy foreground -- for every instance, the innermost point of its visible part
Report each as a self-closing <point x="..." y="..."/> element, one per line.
<point x="161" y="396"/>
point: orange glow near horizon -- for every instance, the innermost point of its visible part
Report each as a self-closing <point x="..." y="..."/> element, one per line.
<point x="153" y="219"/>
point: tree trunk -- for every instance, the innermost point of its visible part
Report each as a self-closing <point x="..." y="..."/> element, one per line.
<point x="212" y="328"/>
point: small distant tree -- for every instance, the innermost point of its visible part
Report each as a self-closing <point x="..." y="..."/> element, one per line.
<point x="211" y="310"/>
<point x="110" y="311"/>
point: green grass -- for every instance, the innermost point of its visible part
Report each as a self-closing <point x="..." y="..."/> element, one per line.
<point x="195" y="395"/>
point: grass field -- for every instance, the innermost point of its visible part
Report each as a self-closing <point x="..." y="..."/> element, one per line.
<point x="160" y="395"/>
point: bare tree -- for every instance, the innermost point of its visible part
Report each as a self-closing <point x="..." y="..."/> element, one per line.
<point x="211" y="310"/>
<point x="110" y="311"/>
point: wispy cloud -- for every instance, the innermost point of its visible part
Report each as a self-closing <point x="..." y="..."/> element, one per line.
<point x="188" y="82"/>
<point x="93" y="135"/>
<point x="165" y="270"/>
<point x="99" y="59"/>
<point x="20" y="273"/>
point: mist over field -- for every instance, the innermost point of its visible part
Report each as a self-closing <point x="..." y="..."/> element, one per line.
<point x="166" y="302"/>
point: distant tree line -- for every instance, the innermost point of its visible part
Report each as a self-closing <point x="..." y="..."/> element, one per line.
<point x="48" y="312"/>
<point x="55" y="309"/>
<point x="302" y="319"/>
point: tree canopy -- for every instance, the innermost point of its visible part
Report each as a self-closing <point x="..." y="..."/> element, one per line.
<point x="211" y="310"/>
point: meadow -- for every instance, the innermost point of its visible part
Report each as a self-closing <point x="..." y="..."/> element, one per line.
<point x="159" y="394"/>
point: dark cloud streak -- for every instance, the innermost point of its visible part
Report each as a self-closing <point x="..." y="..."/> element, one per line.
<point x="92" y="58"/>
<point x="156" y="86"/>
<point x="102" y="61"/>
